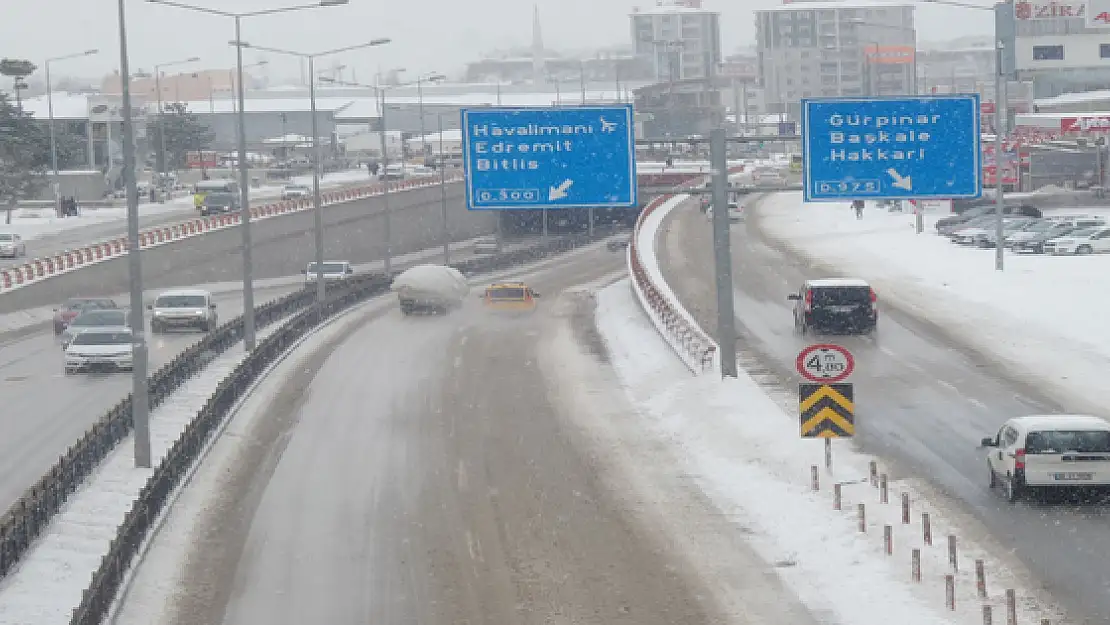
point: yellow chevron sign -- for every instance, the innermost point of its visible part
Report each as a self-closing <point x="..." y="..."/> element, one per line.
<point x="826" y="410"/>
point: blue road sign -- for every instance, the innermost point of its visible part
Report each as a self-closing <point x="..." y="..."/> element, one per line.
<point x="906" y="147"/>
<point x="536" y="158"/>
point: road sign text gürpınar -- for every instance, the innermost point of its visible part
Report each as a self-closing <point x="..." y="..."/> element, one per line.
<point x="868" y="138"/>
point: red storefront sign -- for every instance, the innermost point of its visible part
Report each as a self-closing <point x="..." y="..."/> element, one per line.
<point x="1093" y="123"/>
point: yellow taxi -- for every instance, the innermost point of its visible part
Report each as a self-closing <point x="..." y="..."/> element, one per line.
<point x="510" y="297"/>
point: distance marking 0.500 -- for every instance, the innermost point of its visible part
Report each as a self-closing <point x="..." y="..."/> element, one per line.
<point x="508" y="195"/>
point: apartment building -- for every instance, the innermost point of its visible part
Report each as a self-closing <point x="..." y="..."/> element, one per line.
<point x="814" y="49"/>
<point x="681" y="39"/>
<point x="1062" y="46"/>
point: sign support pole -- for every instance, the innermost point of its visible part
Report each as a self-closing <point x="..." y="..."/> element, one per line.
<point x="726" y="317"/>
<point x="999" y="125"/>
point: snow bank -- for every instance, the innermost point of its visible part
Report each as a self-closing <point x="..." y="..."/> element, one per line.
<point x="1041" y="318"/>
<point x="743" y="450"/>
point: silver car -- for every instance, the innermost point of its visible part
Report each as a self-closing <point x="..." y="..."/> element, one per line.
<point x="95" y="318"/>
<point x="12" y="245"/>
<point x="183" y="308"/>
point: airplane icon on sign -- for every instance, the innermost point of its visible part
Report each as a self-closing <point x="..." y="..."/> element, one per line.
<point x="607" y="126"/>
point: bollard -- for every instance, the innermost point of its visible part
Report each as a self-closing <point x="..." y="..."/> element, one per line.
<point x="986" y="614"/>
<point x="862" y="519"/>
<point x="915" y="565"/>
<point x="888" y="539"/>
<point x="953" y="561"/>
<point x="836" y="497"/>
<point x="873" y="472"/>
<point x="950" y="591"/>
<point x="828" y="454"/>
<point x="981" y="579"/>
<point x="926" y="529"/>
<point x="813" y="477"/>
<point x="905" y="508"/>
<point x="883" y="492"/>
<point x="1011" y="607"/>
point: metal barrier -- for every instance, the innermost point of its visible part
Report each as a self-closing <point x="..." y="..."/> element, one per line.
<point x="105" y="583"/>
<point x="695" y="347"/>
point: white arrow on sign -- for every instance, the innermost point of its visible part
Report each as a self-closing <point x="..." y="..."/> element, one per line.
<point x="559" y="192"/>
<point x="900" y="181"/>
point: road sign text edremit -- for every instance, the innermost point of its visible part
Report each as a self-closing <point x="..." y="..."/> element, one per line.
<point x="562" y="157"/>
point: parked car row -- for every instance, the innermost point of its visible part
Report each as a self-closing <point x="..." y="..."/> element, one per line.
<point x="1057" y="235"/>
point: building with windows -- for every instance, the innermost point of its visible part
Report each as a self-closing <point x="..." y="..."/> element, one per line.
<point x="680" y="39"/>
<point x="1056" y="45"/>
<point x="824" y="49"/>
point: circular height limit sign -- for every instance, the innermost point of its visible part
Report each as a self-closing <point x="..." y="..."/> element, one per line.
<point x="825" y="363"/>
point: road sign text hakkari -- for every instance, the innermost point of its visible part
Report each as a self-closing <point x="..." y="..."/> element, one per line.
<point x="910" y="147"/>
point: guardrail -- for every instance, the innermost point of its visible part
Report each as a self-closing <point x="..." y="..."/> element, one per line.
<point x="29" y="516"/>
<point x="32" y="514"/>
<point x="692" y="345"/>
<point x="70" y="260"/>
<point x="696" y="348"/>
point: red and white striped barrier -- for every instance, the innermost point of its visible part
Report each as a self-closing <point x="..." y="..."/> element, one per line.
<point x="697" y="349"/>
<point x="39" y="269"/>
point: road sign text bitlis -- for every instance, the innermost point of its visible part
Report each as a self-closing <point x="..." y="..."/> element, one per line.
<point x="901" y="182"/>
<point x="559" y="192"/>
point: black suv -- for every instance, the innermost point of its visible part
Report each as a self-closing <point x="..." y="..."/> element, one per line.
<point x="216" y="203"/>
<point x="835" y="306"/>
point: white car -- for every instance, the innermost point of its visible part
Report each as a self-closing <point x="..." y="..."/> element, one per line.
<point x="1049" y="452"/>
<point x="1079" y="242"/>
<point x="94" y="319"/>
<point x="183" y="308"/>
<point x="768" y="177"/>
<point x="295" y="192"/>
<point x="735" y="212"/>
<point x="334" y="271"/>
<point x="12" y="245"/>
<point x="100" y="349"/>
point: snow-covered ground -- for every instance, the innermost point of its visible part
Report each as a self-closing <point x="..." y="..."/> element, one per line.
<point x="1042" y="317"/>
<point x="743" y="450"/>
<point x="35" y="223"/>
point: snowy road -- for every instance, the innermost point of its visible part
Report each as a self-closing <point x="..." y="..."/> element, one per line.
<point x="421" y="471"/>
<point x="45" y="411"/>
<point x="921" y="400"/>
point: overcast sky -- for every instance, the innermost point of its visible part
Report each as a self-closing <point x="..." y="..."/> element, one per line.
<point x="428" y="35"/>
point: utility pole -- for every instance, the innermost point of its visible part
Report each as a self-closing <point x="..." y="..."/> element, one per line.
<point x="999" y="128"/>
<point x="722" y="252"/>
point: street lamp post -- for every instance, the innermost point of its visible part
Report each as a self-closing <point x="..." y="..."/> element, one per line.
<point x="443" y="193"/>
<point x="50" y="112"/>
<point x="162" y="111"/>
<point x="140" y="401"/>
<point x="244" y="172"/>
<point x="433" y="77"/>
<point x="317" y="201"/>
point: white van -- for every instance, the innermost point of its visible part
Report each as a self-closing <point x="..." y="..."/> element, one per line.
<point x="334" y="271"/>
<point x="183" y="308"/>
<point x="1049" y="452"/>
